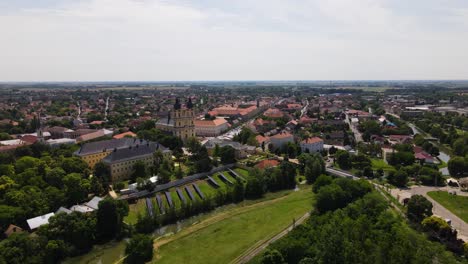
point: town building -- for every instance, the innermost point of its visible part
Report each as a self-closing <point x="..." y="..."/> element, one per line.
<point x="12" y="229"/>
<point x="94" y="152"/>
<point x="312" y="145"/>
<point x="38" y="221"/>
<point x="179" y="122"/>
<point x="121" y="161"/>
<point x="210" y="128"/>
<point x="241" y="150"/>
<point x="280" y="140"/>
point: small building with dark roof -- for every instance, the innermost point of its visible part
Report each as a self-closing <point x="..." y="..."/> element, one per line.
<point x="12" y="229"/>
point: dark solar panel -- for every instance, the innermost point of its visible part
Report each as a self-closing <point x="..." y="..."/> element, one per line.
<point x="190" y="194"/>
<point x="224" y="179"/>
<point x="213" y="182"/>
<point x="169" y="199"/>
<point x="195" y="186"/>
<point x="160" y="204"/>
<point x="181" y="195"/>
<point x="235" y="175"/>
<point x="149" y="207"/>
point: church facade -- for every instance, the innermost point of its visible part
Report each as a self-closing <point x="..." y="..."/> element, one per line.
<point x="180" y="121"/>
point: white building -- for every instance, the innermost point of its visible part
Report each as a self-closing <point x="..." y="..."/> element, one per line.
<point x="312" y="145"/>
<point x="280" y="140"/>
<point x="36" y="222"/>
<point x="210" y="128"/>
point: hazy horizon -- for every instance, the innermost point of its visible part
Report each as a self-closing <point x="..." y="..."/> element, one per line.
<point x="207" y="40"/>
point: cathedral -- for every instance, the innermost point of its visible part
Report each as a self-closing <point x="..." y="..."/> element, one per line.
<point x="179" y="122"/>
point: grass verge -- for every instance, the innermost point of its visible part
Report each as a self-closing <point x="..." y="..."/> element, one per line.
<point x="454" y="203"/>
<point x="225" y="236"/>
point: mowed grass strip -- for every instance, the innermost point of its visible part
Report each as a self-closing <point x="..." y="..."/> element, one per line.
<point x="134" y="210"/>
<point x="454" y="203"/>
<point x="224" y="240"/>
<point x="380" y="164"/>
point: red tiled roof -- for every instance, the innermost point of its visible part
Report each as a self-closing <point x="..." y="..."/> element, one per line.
<point x="214" y="122"/>
<point x="312" y="140"/>
<point x="282" y="135"/>
<point x="122" y="135"/>
<point x="267" y="164"/>
<point x="260" y="139"/>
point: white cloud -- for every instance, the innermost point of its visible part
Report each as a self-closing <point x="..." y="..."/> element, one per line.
<point x="224" y="40"/>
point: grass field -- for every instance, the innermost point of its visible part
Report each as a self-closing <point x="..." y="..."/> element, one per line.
<point x="380" y="164"/>
<point x="134" y="209"/>
<point x="113" y="252"/>
<point x="227" y="235"/>
<point x="108" y="253"/>
<point x="454" y="203"/>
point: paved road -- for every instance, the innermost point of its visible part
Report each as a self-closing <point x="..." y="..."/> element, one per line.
<point x="256" y="249"/>
<point x="353" y="127"/>
<point x="437" y="208"/>
<point x="341" y="173"/>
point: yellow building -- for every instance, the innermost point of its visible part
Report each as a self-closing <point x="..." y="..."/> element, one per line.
<point x="180" y="122"/>
<point x="121" y="161"/>
<point x="94" y="152"/>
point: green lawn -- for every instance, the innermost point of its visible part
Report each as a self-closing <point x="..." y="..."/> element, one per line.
<point x="442" y="164"/>
<point x="454" y="203"/>
<point x="114" y="251"/>
<point x="107" y="253"/>
<point x="380" y="164"/>
<point x="205" y="188"/>
<point x="223" y="241"/>
<point x="242" y="172"/>
<point x="134" y="209"/>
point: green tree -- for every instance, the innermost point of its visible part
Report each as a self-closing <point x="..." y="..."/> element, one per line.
<point x="272" y="256"/>
<point x="139" y="170"/>
<point x="102" y="172"/>
<point x="139" y="249"/>
<point x="331" y="197"/>
<point x="343" y="159"/>
<point x="109" y="219"/>
<point x="398" y="178"/>
<point x="419" y="208"/>
<point x="457" y="167"/>
<point x="76" y="188"/>
<point x="322" y="180"/>
<point x="227" y="154"/>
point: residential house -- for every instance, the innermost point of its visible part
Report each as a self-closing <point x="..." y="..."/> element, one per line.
<point x="312" y="145"/>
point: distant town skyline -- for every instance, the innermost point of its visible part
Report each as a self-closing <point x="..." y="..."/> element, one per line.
<point x="203" y="40"/>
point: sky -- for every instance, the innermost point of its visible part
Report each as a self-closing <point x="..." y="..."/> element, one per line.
<point x="182" y="40"/>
